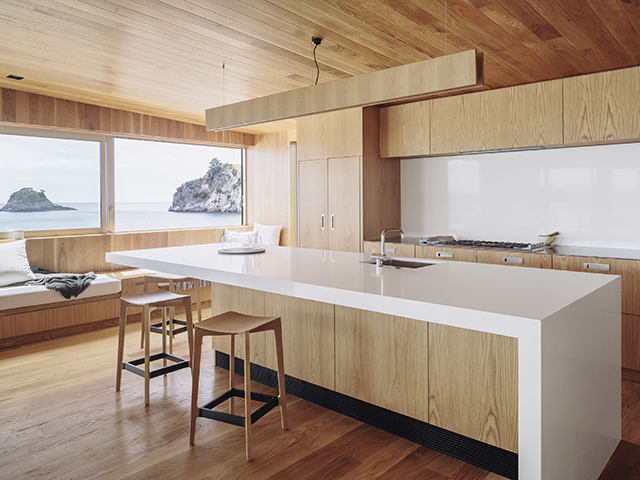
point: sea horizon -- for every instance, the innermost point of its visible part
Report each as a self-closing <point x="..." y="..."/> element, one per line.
<point x="130" y="216"/>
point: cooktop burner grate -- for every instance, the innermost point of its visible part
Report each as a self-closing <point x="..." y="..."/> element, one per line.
<point x="492" y="244"/>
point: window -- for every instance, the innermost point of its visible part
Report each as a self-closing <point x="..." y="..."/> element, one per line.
<point x="162" y="185"/>
<point x="50" y="184"/>
<point x="66" y="183"/>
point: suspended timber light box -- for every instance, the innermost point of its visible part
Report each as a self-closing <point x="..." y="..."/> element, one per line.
<point x="455" y="72"/>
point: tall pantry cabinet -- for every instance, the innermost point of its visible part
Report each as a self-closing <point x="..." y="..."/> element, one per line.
<point x="345" y="192"/>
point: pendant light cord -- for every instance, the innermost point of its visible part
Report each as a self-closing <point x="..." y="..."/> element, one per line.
<point x="316" y="62"/>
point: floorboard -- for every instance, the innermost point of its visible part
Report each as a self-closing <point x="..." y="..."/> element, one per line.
<point x="62" y="418"/>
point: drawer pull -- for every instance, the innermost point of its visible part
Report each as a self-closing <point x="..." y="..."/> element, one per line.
<point x="597" y="267"/>
<point x="513" y="260"/>
<point x="389" y="250"/>
<point x="444" y="255"/>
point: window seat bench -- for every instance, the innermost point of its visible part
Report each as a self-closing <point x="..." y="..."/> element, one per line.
<point x="32" y="313"/>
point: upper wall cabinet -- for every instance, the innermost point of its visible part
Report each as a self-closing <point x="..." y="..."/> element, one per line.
<point x="522" y="116"/>
<point x="330" y="135"/>
<point x="602" y="107"/>
<point x="405" y="130"/>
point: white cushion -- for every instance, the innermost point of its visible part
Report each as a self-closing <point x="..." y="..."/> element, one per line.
<point x="239" y="237"/>
<point x="270" y="234"/>
<point x="14" y="266"/>
<point x="31" y="295"/>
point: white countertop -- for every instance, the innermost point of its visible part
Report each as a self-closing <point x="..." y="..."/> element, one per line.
<point x="469" y="295"/>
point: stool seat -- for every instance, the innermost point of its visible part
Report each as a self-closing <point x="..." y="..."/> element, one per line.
<point x="153" y="299"/>
<point x="164" y="300"/>
<point x="232" y="323"/>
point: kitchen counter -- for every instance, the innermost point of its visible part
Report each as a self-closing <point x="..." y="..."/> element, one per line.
<point x="567" y="325"/>
<point x="567" y="250"/>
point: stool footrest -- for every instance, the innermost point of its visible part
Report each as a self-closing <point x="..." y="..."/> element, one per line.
<point x="157" y="327"/>
<point x="179" y="364"/>
<point x="206" y="411"/>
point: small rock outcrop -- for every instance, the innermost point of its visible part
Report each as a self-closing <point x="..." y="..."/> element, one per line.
<point x="28" y="200"/>
<point x="219" y="190"/>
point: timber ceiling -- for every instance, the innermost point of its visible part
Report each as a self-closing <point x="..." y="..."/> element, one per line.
<point x="165" y="57"/>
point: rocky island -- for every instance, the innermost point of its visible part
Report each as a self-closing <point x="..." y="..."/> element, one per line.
<point x="28" y="200"/>
<point x="219" y="190"/>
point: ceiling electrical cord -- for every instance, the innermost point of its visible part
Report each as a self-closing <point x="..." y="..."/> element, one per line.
<point x="316" y="62"/>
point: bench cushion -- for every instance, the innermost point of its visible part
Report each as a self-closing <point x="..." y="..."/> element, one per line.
<point x="32" y="295"/>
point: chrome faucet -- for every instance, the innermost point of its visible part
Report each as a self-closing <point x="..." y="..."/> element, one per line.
<point x="380" y="258"/>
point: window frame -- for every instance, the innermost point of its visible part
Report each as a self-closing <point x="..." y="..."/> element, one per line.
<point x="107" y="177"/>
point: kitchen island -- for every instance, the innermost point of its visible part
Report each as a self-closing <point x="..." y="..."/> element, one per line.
<point x="526" y="361"/>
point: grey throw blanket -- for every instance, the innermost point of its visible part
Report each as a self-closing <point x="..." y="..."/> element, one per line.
<point x="68" y="284"/>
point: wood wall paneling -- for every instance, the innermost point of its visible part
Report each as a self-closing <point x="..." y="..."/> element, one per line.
<point x="602" y="107"/>
<point x="523" y="116"/>
<point x="269" y="183"/>
<point x="473" y="384"/>
<point x="382" y="360"/>
<point x="528" y="259"/>
<point x="405" y="130"/>
<point x="459" y="254"/>
<point x="39" y="110"/>
<point x="330" y="135"/>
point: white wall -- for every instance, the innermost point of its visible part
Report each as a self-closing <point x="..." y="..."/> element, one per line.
<point x="591" y="195"/>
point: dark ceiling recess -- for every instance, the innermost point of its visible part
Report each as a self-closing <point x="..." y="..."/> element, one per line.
<point x="15" y="77"/>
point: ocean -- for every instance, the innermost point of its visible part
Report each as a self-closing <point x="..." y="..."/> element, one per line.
<point x="129" y="217"/>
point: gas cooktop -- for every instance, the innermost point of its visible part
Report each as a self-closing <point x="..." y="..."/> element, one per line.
<point x="492" y="244"/>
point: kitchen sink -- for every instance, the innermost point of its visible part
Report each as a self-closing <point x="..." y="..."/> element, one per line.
<point x="392" y="262"/>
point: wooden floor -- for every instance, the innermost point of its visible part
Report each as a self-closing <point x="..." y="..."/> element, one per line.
<point x="60" y="418"/>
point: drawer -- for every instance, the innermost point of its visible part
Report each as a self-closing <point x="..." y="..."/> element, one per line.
<point x="518" y="259"/>
<point x="629" y="270"/>
<point x="446" y="253"/>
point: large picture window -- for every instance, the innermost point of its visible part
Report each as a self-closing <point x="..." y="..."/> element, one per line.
<point x="162" y="185"/>
<point x="55" y="183"/>
<point x="49" y="184"/>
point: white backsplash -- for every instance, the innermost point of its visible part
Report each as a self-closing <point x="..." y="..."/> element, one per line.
<point x="591" y="195"/>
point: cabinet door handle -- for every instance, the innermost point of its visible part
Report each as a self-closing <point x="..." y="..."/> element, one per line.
<point x="322" y="221"/>
<point x="444" y="255"/>
<point x="513" y="260"/>
<point x="333" y="222"/>
<point x="597" y="267"/>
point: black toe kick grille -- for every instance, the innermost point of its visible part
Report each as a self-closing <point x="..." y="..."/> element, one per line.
<point x="488" y="457"/>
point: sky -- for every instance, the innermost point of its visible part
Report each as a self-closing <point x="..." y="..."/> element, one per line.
<point x="69" y="170"/>
<point x="148" y="171"/>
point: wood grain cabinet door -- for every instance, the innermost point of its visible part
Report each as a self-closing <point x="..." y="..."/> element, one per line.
<point x="344" y="204"/>
<point x="515" y="259"/>
<point x="629" y="270"/>
<point x="473" y="384"/>
<point x="312" y="204"/>
<point x="446" y="253"/>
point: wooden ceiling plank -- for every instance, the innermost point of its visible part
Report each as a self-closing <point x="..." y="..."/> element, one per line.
<point x="524" y="34"/>
<point x="535" y="22"/>
<point x="566" y="25"/>
<point x="353" y="28"/>
<point x="298" y="39"/>
<point x="596" y="30"/>
<point x="380" y="16"/>
<point x="613" y="17"/>
<point x="524" y="58"/>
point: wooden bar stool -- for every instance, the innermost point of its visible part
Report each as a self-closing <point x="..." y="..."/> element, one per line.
<point x="233" y="323"/>
<point x="159" y="299"/>
<point x="167" y="281"/>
